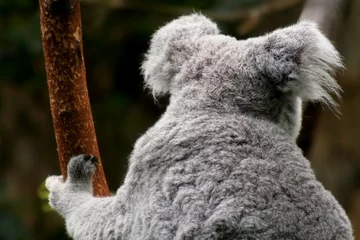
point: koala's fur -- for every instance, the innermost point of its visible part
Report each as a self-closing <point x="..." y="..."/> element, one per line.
<point x="222" y="162"/>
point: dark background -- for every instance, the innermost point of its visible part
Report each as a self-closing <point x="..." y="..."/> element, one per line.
<point x="116" y="34"/>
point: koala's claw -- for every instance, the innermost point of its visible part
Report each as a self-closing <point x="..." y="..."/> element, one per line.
<point x="93" y="159"/>
<point x="82" y="167"/>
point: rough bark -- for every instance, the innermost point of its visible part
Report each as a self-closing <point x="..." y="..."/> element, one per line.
<point x="66" y="78"/>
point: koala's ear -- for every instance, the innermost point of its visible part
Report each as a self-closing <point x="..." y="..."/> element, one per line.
<point x="300" y="60"/>
<point x="171" y="47"/>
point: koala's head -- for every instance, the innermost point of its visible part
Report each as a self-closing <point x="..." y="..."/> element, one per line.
<point x="267" y="76"/>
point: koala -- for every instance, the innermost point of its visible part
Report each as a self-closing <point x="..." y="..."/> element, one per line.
<point x="222" y="161"/>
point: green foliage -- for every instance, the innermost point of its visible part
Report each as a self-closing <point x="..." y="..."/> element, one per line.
<point x="43" y="195"/>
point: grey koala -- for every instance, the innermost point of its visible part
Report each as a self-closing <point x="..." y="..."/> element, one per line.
<point x="222" y="162"/>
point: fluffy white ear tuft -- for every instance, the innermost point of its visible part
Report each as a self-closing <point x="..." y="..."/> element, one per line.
<point x="301" y="60"/>
<point x="171" y="46"/>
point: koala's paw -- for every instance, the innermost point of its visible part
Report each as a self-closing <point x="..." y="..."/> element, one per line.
<point x="81" y="168"/>
<point x="65" y="196"/>
<point x="57" y="193"/>
<point x="53" y="183"/>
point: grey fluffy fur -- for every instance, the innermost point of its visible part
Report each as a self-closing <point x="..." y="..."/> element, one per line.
<point x="222" y="162"/>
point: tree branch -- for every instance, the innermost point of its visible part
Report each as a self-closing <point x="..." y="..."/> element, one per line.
<point x="65" y="69"/>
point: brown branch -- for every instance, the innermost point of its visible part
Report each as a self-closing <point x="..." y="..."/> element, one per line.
<point x="69" y="100"/>
<point x="166" y="9"/>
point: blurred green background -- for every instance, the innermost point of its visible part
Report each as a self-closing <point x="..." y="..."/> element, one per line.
<point x="116" y="34"/>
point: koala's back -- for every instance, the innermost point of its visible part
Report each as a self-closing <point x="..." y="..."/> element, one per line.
<point x="224" y="177"/>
